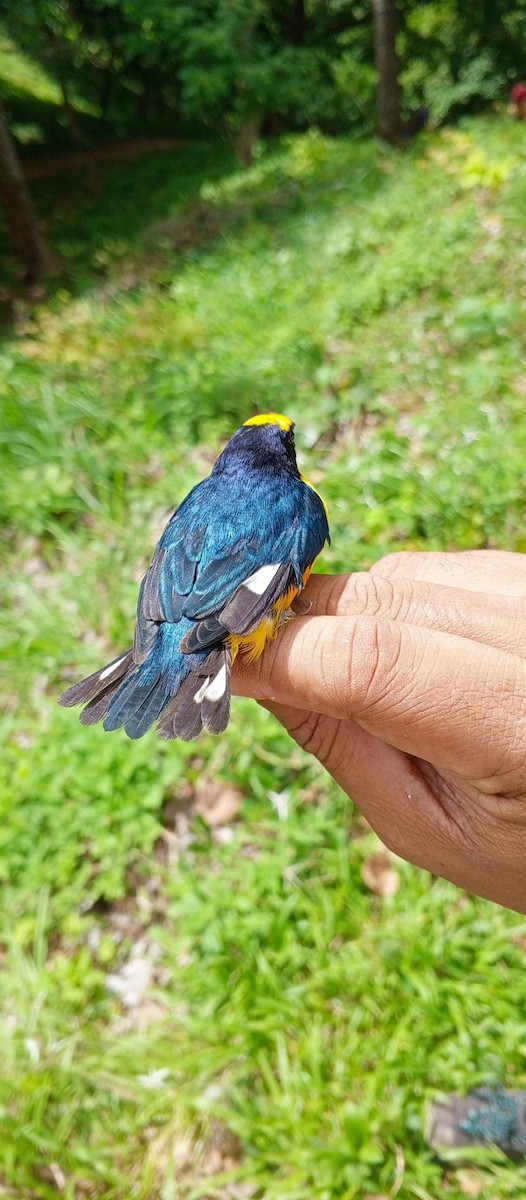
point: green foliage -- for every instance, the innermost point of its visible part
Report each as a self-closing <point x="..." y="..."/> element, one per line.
<point x="228" y="63"/>
<point x="216" y="64"/>
<point x="21" y="75"/>
<point x="458" y="57"/>
<point x="376" y="299"/>
<point x="254" y="61"/>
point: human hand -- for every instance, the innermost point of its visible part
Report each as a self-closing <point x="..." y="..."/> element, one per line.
<point x="408" y="682"/>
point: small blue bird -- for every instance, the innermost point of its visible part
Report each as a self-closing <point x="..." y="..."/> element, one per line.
<point x="224" y="574"/>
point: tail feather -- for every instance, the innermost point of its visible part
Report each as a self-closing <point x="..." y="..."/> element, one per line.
<point x="133" y="692"/>
<point x="149" y="710"/>
<point x="149" y="688"/>
<point x="215" y="704"/>
<point x="97" y="709"/>
<point x="182" y="719"/>
<point x="203" y="700"/>
<point x="98" y="684"/>
<point x="184" y="692"/>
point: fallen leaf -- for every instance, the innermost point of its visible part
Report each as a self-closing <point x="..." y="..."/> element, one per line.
<point x="217" y="802"/>
<point x="470" y="1183"/>
<point x="379" y="875"/>
<point x="222" y="1149"/>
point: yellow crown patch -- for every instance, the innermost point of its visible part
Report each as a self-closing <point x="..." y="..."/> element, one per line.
<point x="271" y="419"/>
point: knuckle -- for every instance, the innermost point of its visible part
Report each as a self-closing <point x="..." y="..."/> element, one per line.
<point x="370" y="595"/>
<point x="337" y="589"/>
<point x="390" y="564"/>
<point x="375" y="651"/>
<point x="375" y="595"/>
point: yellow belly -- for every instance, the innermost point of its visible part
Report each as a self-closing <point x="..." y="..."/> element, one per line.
<point x="253" y="644"/>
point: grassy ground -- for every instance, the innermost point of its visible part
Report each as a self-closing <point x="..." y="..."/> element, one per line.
<point x="228" y="1010"/>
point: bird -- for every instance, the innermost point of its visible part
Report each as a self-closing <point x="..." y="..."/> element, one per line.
<point x="228" y="566"/>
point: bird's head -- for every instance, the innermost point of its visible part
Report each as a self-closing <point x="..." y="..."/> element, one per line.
<point x="264" y="441"/>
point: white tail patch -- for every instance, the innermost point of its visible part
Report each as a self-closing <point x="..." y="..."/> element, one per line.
<point x="217" y="688"/>
<point x="110" y="670"/>
<point x="200" y="695"/>
<point x="213" y="688"/>
<point x="260" y="580"/>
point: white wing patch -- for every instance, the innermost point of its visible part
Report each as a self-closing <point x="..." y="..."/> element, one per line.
<point x="105" y="674"/>
<point x="261" y="579"/>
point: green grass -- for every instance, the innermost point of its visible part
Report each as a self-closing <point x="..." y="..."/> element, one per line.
<point x="296" y="1024"/>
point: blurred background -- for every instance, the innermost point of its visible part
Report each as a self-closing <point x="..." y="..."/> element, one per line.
<point x="215" y="983"/>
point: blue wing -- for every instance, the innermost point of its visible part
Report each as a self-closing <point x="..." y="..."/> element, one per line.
<point x="210" y="568"/>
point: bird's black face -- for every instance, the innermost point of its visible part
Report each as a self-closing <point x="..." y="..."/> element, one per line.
<point x="265" y="442"/>
<point x="287" y="439"/>
<point x="273" y="444"/>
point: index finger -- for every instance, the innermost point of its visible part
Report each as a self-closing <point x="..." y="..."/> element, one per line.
<point x="498" y="621"/>
<point x="455" y="703"/>
<point x="501" y="572"/>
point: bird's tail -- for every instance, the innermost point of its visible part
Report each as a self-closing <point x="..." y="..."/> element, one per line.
<point x="185" y="692"/>
<point x="98" y="690"/>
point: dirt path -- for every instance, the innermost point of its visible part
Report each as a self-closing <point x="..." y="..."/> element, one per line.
<point x="115" y="151"/>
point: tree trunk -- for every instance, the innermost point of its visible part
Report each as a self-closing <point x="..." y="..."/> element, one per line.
<point x="247" y="136"/>
<point x="385" y="26"/>
<point x="16" y="204"/>
<point x="297" y="32"/>
<point x="73" y="123"/>
<point x="249" y="128"/>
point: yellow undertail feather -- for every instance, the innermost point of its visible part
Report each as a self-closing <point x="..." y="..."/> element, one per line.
<point x="253" y="644"/>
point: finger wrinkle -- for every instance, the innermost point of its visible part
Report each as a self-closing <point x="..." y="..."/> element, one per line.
<point x="375" y="596"/>
<point x="319" y="736"/>
<point x="400" y="601"/>
<point x="374" y="655"/>
<point x="303" y="732"/>
<point x="266" y="670"/>
<point x="452" y="812"/>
